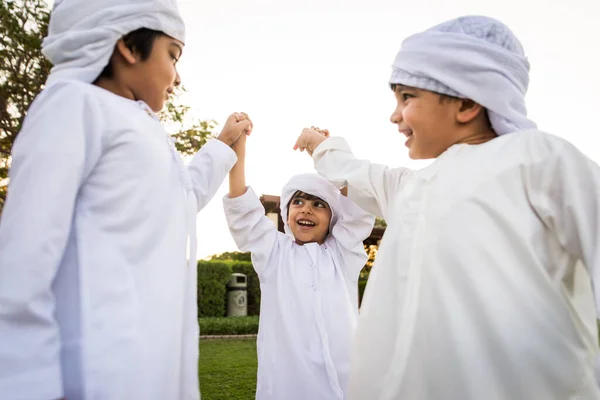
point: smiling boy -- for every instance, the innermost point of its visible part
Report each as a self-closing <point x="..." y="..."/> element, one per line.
<point x="481" y="288"/>
<point x="308" y="279"/>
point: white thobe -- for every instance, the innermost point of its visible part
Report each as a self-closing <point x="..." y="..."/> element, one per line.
<point x="97" y="297"/>
<point x="477" y="291"/>
<point x="309" y="300"/>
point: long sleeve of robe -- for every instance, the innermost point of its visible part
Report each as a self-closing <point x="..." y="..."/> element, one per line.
<point x="482" y="285"/>
<point x="96" y="297"/>
<point x="309" y="300"/>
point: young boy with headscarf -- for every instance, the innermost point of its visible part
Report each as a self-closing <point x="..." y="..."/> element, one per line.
<point x="482" y="284"/>
<point x="308" y="278"/>
<point x="97" y="237"/>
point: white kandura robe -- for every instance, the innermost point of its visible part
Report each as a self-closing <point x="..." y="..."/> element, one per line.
<point x="97" y="298"/>
<point x="309" y="300"/>
<point x="477" y="292"/>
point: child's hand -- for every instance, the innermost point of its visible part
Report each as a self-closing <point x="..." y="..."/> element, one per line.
<point x="309" y="139"/>
<point x="324" y="132"/>
<point x="236" y="124"/>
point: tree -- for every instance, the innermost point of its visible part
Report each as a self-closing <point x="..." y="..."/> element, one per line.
<point x="188" y="136"/>
<point x="233" y="256"/>
<point x="23" y="72"/>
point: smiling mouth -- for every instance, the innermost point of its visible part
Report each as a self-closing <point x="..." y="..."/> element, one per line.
<point x="306" y="223"/>
<point x="406" y="132"/>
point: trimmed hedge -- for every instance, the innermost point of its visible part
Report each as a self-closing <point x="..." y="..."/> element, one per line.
<point x="212" y="291"/>
<point x="229" y="326"/>
<point x="213" y="276"/>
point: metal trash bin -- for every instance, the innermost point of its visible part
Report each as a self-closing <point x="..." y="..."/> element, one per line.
<point x="237" y="295"/>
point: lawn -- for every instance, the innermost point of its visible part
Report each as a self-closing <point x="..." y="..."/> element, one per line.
<point x="227" y="369"/>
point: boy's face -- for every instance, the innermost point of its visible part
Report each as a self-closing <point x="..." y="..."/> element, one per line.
<point x="308" y="218"/>
<point x="428" y="122"/>
<point x="157" y="76"/>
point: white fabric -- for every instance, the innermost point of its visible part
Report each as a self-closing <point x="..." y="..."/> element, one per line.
<point x="96" y="298"/>
<point x="309" y="299"/>
<point x="83" y="33"/>
<point x="477" y="291"/>
<point x="471" y="57"/>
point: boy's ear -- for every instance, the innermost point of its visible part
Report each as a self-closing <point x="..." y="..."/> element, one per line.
<point x="128" y="55"/>
<point x="467" y="111"/>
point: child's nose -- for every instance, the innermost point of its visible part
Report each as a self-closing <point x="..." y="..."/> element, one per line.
<point x="396" y="116"/>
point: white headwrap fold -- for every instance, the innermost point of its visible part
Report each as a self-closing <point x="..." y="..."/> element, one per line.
<point x="472" y="57"/>
<point x="315" y="185"/>
<point x="83" y="33"/>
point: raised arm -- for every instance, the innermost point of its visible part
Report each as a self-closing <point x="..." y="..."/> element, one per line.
<point x="237" y="175"/>
<point x="354" y="226"/>
<point x="250" y="228"/>
<point x="372" y="186"/>
<point x="210" y="165"/>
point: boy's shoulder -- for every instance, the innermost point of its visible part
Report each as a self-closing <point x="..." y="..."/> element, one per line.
<point x="536" y="149"/>
<point x="77" y="93"/>
<point x="64" y="94"/>
<point x="67" y="89"/>
<point x="87" y="101"/>
<point x="534" y="144"/>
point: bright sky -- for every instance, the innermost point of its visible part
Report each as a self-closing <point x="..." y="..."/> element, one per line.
<point x="327" y="63"/>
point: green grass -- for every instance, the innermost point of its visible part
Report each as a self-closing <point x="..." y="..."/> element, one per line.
<point x="227" y="369"/>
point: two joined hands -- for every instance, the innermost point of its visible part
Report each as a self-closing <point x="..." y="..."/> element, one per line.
<point x="239" y="125"/>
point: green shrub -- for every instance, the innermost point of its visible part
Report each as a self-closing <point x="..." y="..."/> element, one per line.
<point x="253" y="297"/>
<point x="212" y="290"/>
<point x="229" y="325"/>
<point x="213" y="276"/>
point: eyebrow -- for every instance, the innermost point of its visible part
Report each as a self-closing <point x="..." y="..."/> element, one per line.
<point x="305" y="196"/>
<point x="178" y="46"/>
<point x="404" y="87"/>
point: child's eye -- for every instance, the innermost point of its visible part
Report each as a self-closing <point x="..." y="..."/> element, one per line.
<point x="297" y="202"/>
<point x="175" y="59"/>
<point x="405" y="96"/>
<point x="319" y="204"/>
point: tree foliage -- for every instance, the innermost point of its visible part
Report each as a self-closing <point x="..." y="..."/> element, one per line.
<point x="23" y="70"/>
<point x="189" y="136"/>
<point x="233" y="256"/>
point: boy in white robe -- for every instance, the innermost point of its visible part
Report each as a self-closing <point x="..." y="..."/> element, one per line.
<point x="482" y="284"/>
<point x="308" y="279"/>
<point x="97" y="293"/>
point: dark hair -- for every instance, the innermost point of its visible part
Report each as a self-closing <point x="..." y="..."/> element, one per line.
<point x="299" y="194"/>
<point x="443" y="97"/>
<point x="140" y="41"/>
<point x="446" y="98"/>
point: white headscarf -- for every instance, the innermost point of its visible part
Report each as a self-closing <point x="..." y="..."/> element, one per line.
<point x="83" y="33"/>
<point x="315" y="185"/>
<point x="472" y="57"/>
